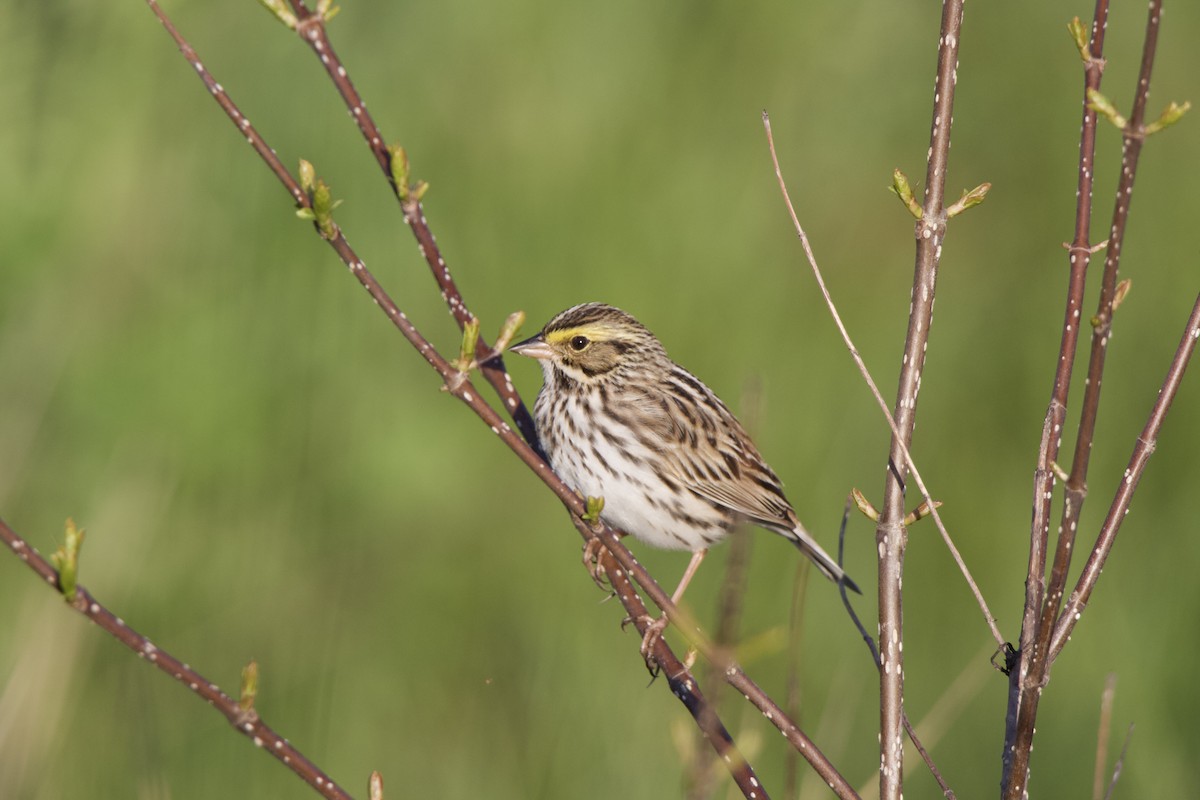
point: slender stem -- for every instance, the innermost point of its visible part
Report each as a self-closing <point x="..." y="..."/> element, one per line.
<point x="312" y="31"/>
<point x="891" y="536"/>
<point x="680" y="680"/>
<point x="1142" y="450"/>
<point x="907" y="456"/>
<point x="909" y="462"/>
<point x="1041" y="615"/>
<point x="246" y="721"/>
<point x="1024" y="693"/>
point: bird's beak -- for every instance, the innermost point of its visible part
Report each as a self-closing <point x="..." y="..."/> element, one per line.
<point x="533" y="347"/>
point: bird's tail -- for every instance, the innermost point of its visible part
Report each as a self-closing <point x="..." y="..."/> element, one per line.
<point x="808" y="545"/>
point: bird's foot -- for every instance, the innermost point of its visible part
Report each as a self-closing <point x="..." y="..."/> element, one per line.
<point x="592" y="551"/>
<point x="655" y="626"/>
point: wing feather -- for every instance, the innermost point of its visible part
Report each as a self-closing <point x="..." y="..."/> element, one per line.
<point x="708" y="451"/>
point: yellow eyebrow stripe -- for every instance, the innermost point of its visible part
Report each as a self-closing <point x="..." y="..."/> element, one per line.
<point x="596" y="332"/>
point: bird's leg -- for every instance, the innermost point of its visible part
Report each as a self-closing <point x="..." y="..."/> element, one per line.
<point x="656" y="627"/>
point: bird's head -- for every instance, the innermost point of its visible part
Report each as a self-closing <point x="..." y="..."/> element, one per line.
<point x="591" y="342"/>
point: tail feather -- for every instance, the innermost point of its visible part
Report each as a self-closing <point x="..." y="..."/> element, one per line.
<point x="807" y="545"/>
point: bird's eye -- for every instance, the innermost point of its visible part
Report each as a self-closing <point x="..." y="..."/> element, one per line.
<point x="578" y="343"/>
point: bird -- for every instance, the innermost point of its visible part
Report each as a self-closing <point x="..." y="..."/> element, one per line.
<point x="619" y="420"/>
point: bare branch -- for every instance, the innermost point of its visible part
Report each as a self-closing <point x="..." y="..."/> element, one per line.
<point x="1142" y="450"/>
<point x="244" y="718"/>
<point x="311" y="27"/>
<point x="931" y="504"/>
<point x="891" y="534"/>
<point x="1041" y="619"/>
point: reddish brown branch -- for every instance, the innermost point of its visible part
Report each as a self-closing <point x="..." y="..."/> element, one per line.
<point x="1041" y="617"/>
<point x="1075" y="491"/>
<point x="311" y="29"/>
<point x="1142" y="451"/>
<point x="1031" y="664"/>
<point x="247" y="722"/>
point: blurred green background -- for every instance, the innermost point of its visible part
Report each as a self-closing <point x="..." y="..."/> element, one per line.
<point x="266" y="470"/>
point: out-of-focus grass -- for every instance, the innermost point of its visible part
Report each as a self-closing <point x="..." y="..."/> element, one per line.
<point x="266" y="470"/>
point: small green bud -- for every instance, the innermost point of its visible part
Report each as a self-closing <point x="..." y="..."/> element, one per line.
<point x="1079" y="35"/>
<point x="901" y="187"/>
<point x="327" y="9"/>
<point x="249" y="686"/>
<point x="969" y="199"/>
<point x="308" y="176"/>
<point x="593" y="505"/>
<point x="921" y="511"/>
<point x="1121" y="292"/>
<point x="281" y="12"/>
<point x="508" y="330"/>
<point x="466" y="352"/>
<point x="321" y="201"/>
<point x="864" y="505"/>
<point x="1170" y="115"/>
<point x="398" y="163"/>
<point x="66" y="560"/>
<point x="1105" y="108"/>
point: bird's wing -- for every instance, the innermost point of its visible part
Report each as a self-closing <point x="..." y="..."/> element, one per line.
<point x="711" y="454"/>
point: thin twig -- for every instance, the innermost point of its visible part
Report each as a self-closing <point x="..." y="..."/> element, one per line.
<point x="1018" y="722"/>
<point x="909" y="462"/>
<point x="311" y="29"/>
<point x="1142" y="450"/>
<point x="680" y="679"/>
<point x="1041" y="613"/>
<point x="874" y="649"/>
<point x="891" y="535"/>
<point x="246" y="721"/>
